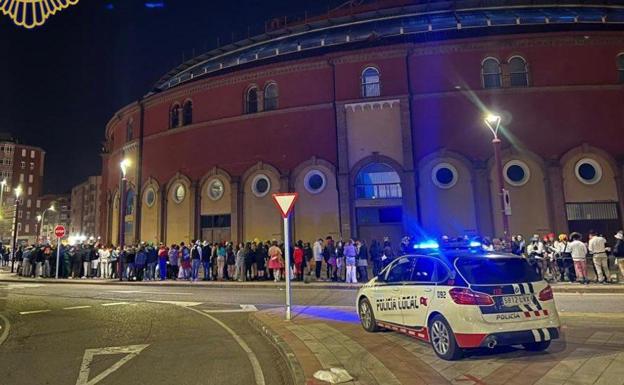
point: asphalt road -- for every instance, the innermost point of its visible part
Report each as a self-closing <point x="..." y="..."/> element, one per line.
<point x="115" y="334"/>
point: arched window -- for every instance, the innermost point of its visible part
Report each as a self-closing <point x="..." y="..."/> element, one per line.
<point x="370" y="82"/>
<point x="187" y="113"/>
<point x="491" y="73"/>
<point x="251" y="100"/>
<point x="378" y="181"/>
<point x="620" y="68"/>
<point x="270" y="97"/>
<point x="129" y="130"/>
<point x="174" y="116"/>
<point x="518" y="72"/>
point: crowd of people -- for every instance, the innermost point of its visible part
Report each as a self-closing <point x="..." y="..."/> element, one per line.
<point x="561" y="258"/>
<point x="564" y="257"/>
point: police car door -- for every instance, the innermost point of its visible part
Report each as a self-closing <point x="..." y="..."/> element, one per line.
<point x="418" y="292"/>
<point x="388" y="293"/>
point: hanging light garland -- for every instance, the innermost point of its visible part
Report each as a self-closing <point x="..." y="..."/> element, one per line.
<point x="33" y="13"/>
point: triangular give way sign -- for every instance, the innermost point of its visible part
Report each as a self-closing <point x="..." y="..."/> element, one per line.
<point x="285" y="202"/>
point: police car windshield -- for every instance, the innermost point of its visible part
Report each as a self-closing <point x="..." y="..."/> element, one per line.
<point x="496" y="270"/>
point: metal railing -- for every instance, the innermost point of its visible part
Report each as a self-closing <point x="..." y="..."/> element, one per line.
<point x="378" y="191"/>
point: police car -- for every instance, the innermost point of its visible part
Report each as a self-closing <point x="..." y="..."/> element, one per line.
<point x="459" y="297"/>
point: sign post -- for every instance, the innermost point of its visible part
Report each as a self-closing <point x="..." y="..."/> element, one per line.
<point x="59" y="231"/>
<point x="285" y="202"/>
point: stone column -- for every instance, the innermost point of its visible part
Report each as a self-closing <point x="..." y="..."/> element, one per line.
<point x="555" y="197"/>
<point x="236" y="218"/>
<point x="195" y="186"/>
<point x="163" y="213"/>
<point x="409" y="186"/>
<point x="346" y="211"/>
<point x="482" y="199"/>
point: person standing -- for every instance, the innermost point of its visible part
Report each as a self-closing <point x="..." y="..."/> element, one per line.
<point x="578" y="250"/>
<point x="104" y="254"/>
<point x="230" y="261"/>
<point x="26" y="265"/>
<point x="340" y="271"/>
<point x="114" y="257"/>
<point x="173" y="262"/>
<point x="308" y="260"/>
<point x="598" y="249"/>
<point x="276" y="262"/>
<point x="163" y="257"/>
<point x="139" y="263"/>
<point x="375" y="254"/>
<point x="618" y="252"/>
<point x="564" y="258"/>
<point x="350" y="254"/>
<point x="362" y="261"/>
<point x="185" y="254"/>
<point x="205" y="260"/>
<point x="152" y="260"/>
<point x="240" y="263"/>
<point x="260" y="257"/>
<point x="196" y="253"/>
<point x="535" y="251"/>
<point x="298" y="258"/>
<point x="221" y="262"/>
<point x="317" y="253"/>
<point x="86" y="261"/>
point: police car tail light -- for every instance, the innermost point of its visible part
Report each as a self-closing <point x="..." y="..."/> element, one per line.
<point x="468" y="297"/>
<point x="546" y="294"/>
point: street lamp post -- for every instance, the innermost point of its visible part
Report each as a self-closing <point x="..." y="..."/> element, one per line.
<point x="18" y="192"/>
<point x="124" y="164"/>
<point x="2" y="187"/>
<point x="493" y="121"/>
<point x="51" y="208"/>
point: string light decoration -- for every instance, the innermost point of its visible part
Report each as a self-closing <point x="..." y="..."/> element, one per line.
<point x="33" y="13"/>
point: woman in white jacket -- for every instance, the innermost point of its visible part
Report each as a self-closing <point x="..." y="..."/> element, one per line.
<point x="104" y="254"/>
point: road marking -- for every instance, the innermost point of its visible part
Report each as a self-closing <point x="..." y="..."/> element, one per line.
<point x="34" y="312"/>
<point x="253" y="359"/>
<point x="147" y="292"/>
<point x="177" y="303"/>
<point x="131" y="351"/>
<point x="243" y="309"/>
<point x="5" y="332"/>
<point x="76" y="307"/>
<point x="12" y="286"/>
<point x="115" y="303"/>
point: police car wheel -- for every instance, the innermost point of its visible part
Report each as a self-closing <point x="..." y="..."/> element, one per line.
<point x="537" y="346"/>
<point x="443" y="340"/>
<point x="367" y="317"/>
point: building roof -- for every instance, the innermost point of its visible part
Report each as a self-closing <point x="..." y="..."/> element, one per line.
<point x="399" y="19"/>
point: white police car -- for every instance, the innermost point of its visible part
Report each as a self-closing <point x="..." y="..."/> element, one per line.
<point x="459" y="298"/>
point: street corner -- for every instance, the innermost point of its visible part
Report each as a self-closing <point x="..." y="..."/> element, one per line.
<point x="319" y="338"/>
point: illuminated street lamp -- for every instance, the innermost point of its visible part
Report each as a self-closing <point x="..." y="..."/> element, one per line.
<point x="41" y="217"/>
<point x="2" y="187"/>
<point x="18" y="192"/>
<point x="124" y="164"/>
<point x="493" y="121"/>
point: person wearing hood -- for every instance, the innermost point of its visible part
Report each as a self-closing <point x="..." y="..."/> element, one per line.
<point x="535" y="251"/>
<point x="140" y="262"/>
<point x="618" y="252"/>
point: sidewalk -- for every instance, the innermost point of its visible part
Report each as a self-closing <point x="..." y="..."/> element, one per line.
<point x="6" y="276"/>
<point x="320" y="338"/>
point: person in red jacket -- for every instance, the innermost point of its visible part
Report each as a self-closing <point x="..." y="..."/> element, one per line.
<point x="299" y="260"/>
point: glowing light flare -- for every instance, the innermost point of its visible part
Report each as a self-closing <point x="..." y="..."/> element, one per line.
<point x="426" y="245"/>
<point x="124" y="164"/>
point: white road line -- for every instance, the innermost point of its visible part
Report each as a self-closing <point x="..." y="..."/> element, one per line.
<point x="253" y="359"/>
<point x="76" y="307"/>
<point x="147" y="292"/>
<point x="5" y="332"/>
<point x="178" y="303"/>
<point x="34" y="312"/>
<point x="115" y="303"/>
<point x="83" y="376"/>
<point x="243" y="309"/>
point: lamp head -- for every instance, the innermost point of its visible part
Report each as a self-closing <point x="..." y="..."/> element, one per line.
<point x="18" y="191"/>
<point x="38" y="218"/>
<point x="492" y="118"/>
<point x="52" y="207"/>
<point x="124" y="164"/>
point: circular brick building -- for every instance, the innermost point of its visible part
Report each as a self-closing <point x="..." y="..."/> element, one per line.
<point x="374" y="115"/>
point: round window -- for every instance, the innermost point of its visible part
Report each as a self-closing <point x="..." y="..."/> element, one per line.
<point x="314" y="181"/>
<point x="444" y="175"/>
<point x="260" y="185"/>
<point x="179" y="193"/>
<point x="516" y="173"/>
<point x="588" y="171"/>
<point x="215" y="189"/>
<point x="150" y="197"/>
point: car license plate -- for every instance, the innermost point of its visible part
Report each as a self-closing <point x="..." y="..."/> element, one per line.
<point x="515" y="300"/>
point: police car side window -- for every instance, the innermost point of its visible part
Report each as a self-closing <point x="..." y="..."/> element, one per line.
<point x="424" y="270"/>
<point x="400" y="272"/>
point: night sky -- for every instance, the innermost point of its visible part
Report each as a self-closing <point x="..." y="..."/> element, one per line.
<point x="63" y="81"/>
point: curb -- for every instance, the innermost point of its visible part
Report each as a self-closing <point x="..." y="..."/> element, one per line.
<point x="221" y="285"/>
<point x="296" y="371"/>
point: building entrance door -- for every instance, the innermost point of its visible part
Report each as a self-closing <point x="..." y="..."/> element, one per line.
<point x="602" y="217"/>
<point x="216" y="228"/>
